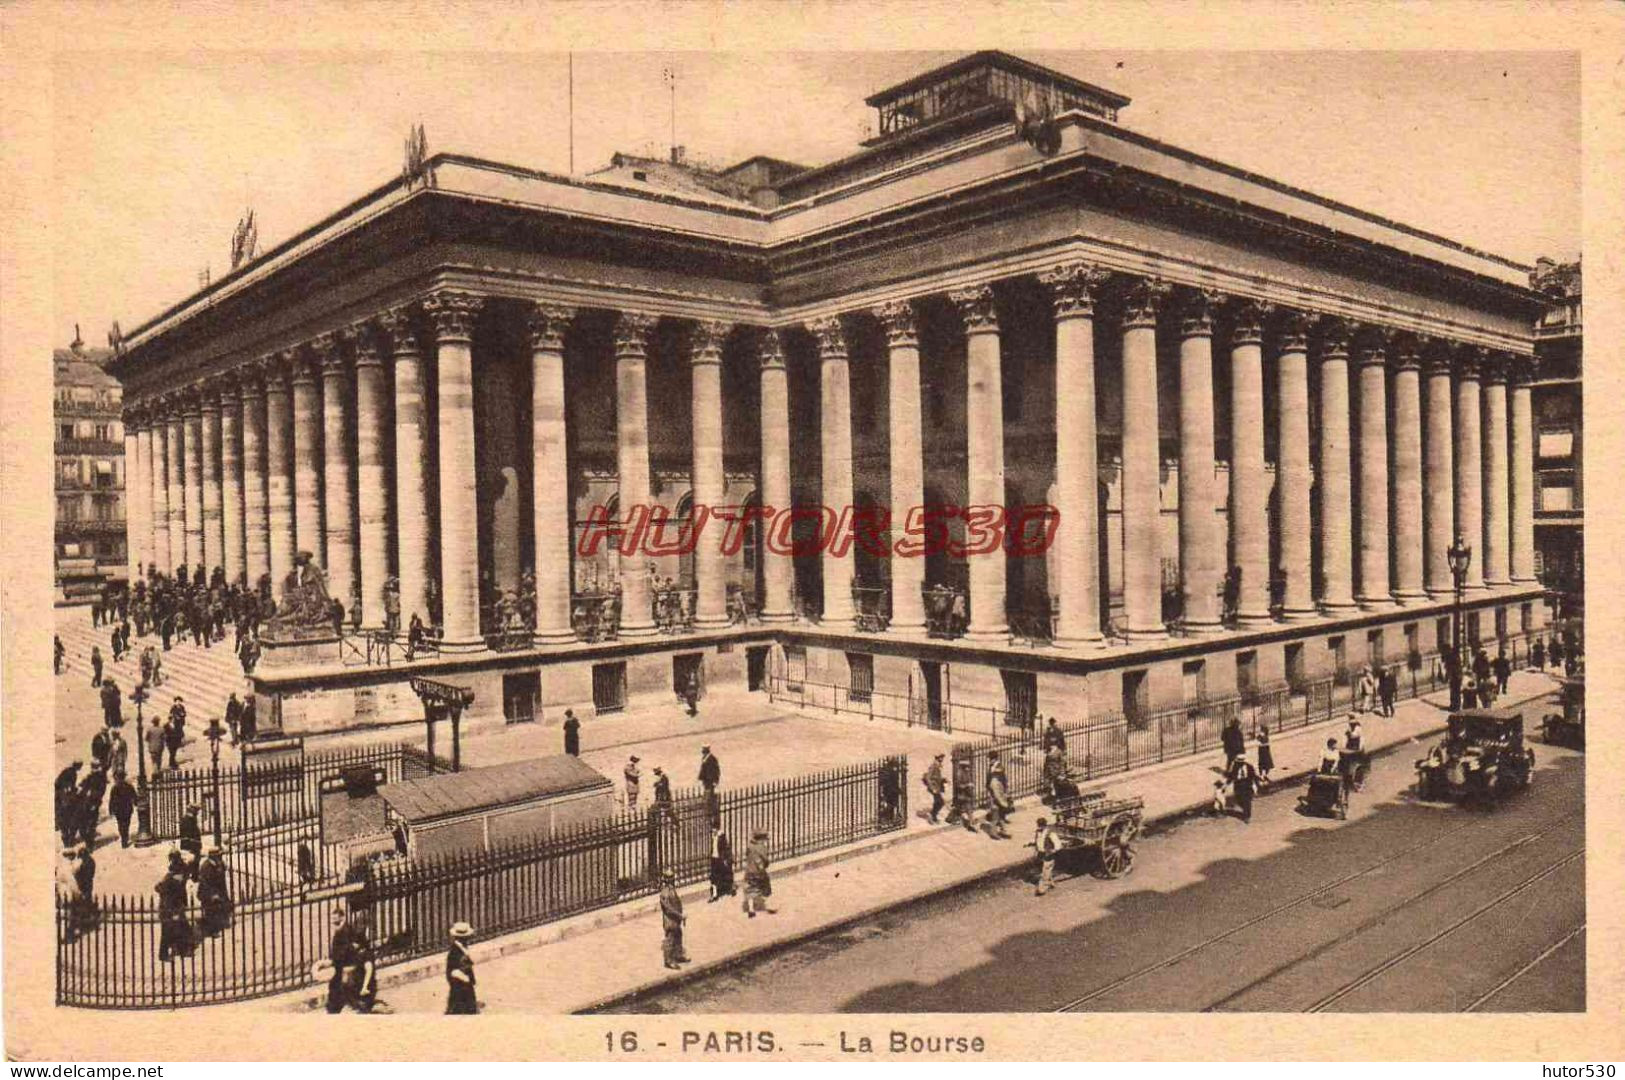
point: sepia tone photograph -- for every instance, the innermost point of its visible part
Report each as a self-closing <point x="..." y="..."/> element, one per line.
<point x="810" y="532"/>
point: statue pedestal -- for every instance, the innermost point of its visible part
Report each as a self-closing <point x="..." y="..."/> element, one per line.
<point x="298" y="650"/>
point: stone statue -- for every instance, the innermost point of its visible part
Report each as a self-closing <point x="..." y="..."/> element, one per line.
<point x="306" y="610"/>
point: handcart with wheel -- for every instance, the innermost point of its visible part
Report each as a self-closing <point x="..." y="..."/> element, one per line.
<point x="1107" y="827"/>
<point x="1328" y="795"/>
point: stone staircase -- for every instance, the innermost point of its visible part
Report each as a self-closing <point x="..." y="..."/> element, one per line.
<point x="204" y="677"/>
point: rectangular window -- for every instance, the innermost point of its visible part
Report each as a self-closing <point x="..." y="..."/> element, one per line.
<point x="1340" y="667"/>
<point x="609" y="687"/>
<point x="1472" y="627"/>
<point x="1500" y="624"/>
<point x="64" y="432"/>
<point x="862" y="669"/>
<point x="1247" y="676"/>
<point x="1373" y="648"/>
<point x="521" y="692"/>
<point x="1413" y="647"/>
<point x="1020" y="698"/>
<point x="1136" y="699"/>
<point x="1195" y="678"/>
<point x="1441" y="635"/>
<point x="795" y="667"/>
<point x="1294" y="666"/>
<point x="1526" y="618"/>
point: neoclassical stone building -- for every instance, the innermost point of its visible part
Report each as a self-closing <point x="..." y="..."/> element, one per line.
<point x="1005" y="298"/>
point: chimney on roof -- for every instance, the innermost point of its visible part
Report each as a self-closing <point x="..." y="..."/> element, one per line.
<point x="78" y="344"/>
<point x="677" y="154"/>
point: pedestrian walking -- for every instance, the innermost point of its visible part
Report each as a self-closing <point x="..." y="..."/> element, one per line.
<point x="722" y="864"/>
<point x="341" y="959"/>
<point x="937" y="786"/>
<point x="758" y="884"/>
<point x="234" y="716"/>
<point x="100" y="748"/>
<point x="1469" y="693"/>
<point x="84" y="879"/>
<point x="1054" y="738"/>
<point x="58" y="651"/>
<point x="91" y="790"/>
<point x="1387" y="690"/>
<point x="67" y="891"/>
<point x="710" y="770"/>
<point x="121" y="802"/>
<point x="1054" y="773"/>
<point x="214" y="893"/>
<point x="632" y="778"/>
<point x="1366" y="698"/>
<point x="999" y="804"/>
<point x="1244" y="784"/>
<point x="1503" y="671"/>
<point x="572" y="734"/>
<point x="96" y="665"/>
<point x="156" y="739"/>
<point x="1537" y="654"/>
<point x="460" y="999"/>
<point x="174" y="937"/>
<point x="249" y="721"/>
<point x="1049" y="847"/>
<point x="191" y="833"/>
<point x="112" y="704"/>
<point x="1266" y="758"/>
<point x="113" y="643"/>
<point x="1233" y="741"/>
<point x="663" y="799"/>
<point x="671" y="921"/>
<point x="1354" y="737"/>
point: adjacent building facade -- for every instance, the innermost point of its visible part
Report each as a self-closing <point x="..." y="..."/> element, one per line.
<point x="1234" y="426"/>
<point x="1560" y="471"/>
<point x="86" y="410"/>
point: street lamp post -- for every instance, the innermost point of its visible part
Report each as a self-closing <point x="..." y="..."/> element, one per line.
<point x="1460" y="556"/>
<point x="214" y="733"/>
<point x="143" y="809"/>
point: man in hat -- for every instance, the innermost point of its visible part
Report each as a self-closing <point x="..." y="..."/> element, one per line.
<point x="95" y="665"/>
<point x="663" y="799"/>
<point x="175" y="731"/>
<point x="1048" y="846"/>
<point x="572" y="733"/>
<point x="341" y="956"/>
<point x="671" y="921"/>
<point x="191" y="834"/>
<point x="214" y="893"/>
<point x="710" y="770"/>
<point x="758" y="885"/>
<point x="633" y="778"/>
<point x="91" y="790"/>
<point x="234" y="716"/>
<point x="1053" y="737"/>
<point x="999" y="804"/>
<point x="67" y="784"/>
<point x="121" y="804"/>
<point x="155" y="745"/>
<point x="937" y="786"/>
<point x="118" y="751"/>
<point x="460" y="999"/>
<point x="174" y="935"/>
<point x="67" y="890"/>
<point x="58" y="651"/>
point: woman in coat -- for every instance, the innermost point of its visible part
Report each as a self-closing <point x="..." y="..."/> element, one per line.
<point x="1266" y="759"/>
<point x="722" y="865"/>
<point x="460" y="1000"/>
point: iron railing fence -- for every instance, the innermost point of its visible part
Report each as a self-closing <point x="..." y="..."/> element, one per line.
<point x="272" y="793"/>
<point x="113" y="954"/>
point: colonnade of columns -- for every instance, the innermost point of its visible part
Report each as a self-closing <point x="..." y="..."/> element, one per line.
<point x="242" y="471"/>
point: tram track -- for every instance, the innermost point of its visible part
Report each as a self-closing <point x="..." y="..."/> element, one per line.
<point x="1411" y="951"/>
<point x="1539" y="959"/>
<point x="1310" y="897"/>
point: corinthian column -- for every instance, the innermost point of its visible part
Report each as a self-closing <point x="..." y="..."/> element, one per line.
<point x="307" y="459"/>
<point x="835" y="393"/>
<point x="632" y="332"/>
<point x="372" y="474"/>
<point x="984" y="457"/>
<point x="1523" y="474"/>
<point x="1249" y="483"/>
<point x="1336" y="506"/>
<point x="1292" y="476"/>
<point x="1438" y="475"/>
<point x="175" y="482"/>
<point x="550" y="499"/>
<point x="907" y="463"/>
<point x="1077" y="540"/>
<point x="1497" y="513"/>
<point x="1200" y="552"/>
<point x="1470" y="464"/>
<point x="777" y="571"/>
<point x="1407" y="439"/>
<point x="452" y="315"/>
<point x="282" y="527"/>
<point x="1142" y="464"/>
<point x="705" y="399"/>
<point x="214" y="532"/>
<point x="414" y="552"/>
<point x="231" y="480"/>
<point x="256" y="512"/>
<point x="1376" y="592"/>
<point x="134" y="534"/>
<point x="338" y="502"/>
<point x="157" y="517"/>
<point x="193" y="465"/>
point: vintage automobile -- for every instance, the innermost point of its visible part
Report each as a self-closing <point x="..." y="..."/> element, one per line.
<point x="1568" y="728"/>
<point x="1482" y="758"/>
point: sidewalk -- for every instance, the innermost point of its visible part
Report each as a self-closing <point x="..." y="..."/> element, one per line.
<point x="603" y="957"/>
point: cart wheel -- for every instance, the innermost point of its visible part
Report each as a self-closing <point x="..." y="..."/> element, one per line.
<point x="1116" y="857"/>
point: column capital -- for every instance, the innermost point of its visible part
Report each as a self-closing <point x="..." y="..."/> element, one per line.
<point x="705" y="339"/>
<point x="546" y="324"/>
<point x="229" y="388"/>
<point x="368" y="354"/>
<point x="208" y="391"/>
<point x="977" y="309"/>
<point x="1405" y="352"/>
<point x="770" y="349"/>
<point x="632" y="330"/>
<point x="130" y="416"/>
<point x="902" y="327"/>
<point x="298" y="366"/>
<point x="1437" y="355"/>
<point x="1142" y="299"/>
<point x="1371" y="346"/>
<point x="1247" y="320"/>
<point x="251" y="380"/>
<point x="831" y="337"/>
<point x="400" y="328"/>
<point x="191" y="401"/>
<point x="1334" y="338"/>
<point x="329" y="352"/>
<point x="1073" y="288"/>
<point x="452" y="314"/>
<point x="1495" y="368"/>
<point x="1293" y="328"/>
<point x="1523" y="370"/>
<point x="1470" y="362"/>
<point x="1196" y="307"/>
